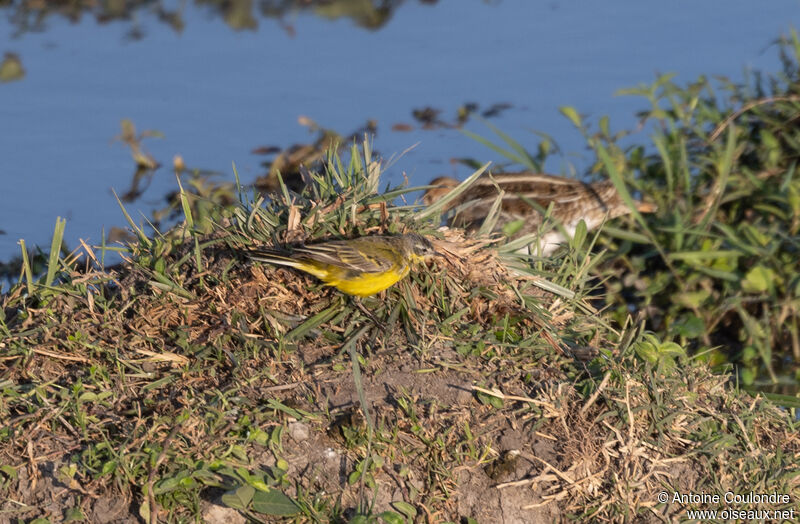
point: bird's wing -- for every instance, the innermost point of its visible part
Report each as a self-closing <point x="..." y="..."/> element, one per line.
<point x="560" y="193"/>
<point x="369" y="257"/>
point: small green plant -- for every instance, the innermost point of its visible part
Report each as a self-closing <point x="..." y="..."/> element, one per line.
<point x="715" y="269"/>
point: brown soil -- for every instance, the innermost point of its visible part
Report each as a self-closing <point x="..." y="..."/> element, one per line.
<point x="549" y="453"/>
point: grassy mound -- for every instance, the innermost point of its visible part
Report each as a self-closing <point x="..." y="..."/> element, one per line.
<point x="189" y="383"/>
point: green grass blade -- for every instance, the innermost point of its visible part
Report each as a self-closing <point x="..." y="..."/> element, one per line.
<point x="103" y="249"/>
<point x="139" y="233"/>
<point x="494" y="147"/>
<point x="187" y="213"/>
<point x="543" y="283"/>
<point x="491" y="217"/>
<point x="26" y="267"/>
<point x="437" y="207"/>
<point x="164" y="283"/>
<point x="622" y="189"/>
<point x="702" y="256"/>
<point x="357" y="382"/>
<point x="238" y="184"/>
<point x="658" y="141"/>
<point x="55" y="251"/>
<point x="527" y="160"/>
<point x="624" y="234"/>
<point x="519" y="243"/>
<point x="313" y="322"/>
<point x="721" y="183"/>
<point x="787" y="401"/>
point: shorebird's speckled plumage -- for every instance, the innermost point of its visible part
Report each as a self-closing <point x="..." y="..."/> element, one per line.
<point x="572" y="201"/>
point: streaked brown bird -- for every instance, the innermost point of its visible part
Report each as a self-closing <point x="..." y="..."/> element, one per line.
<point x="524" y="196"/>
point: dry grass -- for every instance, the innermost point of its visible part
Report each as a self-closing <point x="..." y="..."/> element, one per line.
<point x="188" y="384"/>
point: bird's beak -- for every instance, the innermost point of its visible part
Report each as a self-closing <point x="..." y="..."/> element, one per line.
<point x="646" y="207"/>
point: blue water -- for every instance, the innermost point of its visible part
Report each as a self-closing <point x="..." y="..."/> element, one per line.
<point x="216" y="93"/>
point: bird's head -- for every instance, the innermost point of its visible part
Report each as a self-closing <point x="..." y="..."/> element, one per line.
<point x="419" y="247"/>
<point x="444" y="184"/>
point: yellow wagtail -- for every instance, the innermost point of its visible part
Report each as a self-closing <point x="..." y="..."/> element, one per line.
<point x="361" y="266"/>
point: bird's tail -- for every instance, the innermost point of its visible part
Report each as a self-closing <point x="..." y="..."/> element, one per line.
<point x="273" y="257"/>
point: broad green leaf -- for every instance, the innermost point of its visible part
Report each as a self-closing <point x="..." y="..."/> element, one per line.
<point x="671" y="349"/>
<point x="144" y="510"/>
<point x="259" y="485"/>
<point x="239" y="498"/>
<point x="274" y="502"/>
<point x="689" y="326"/>
<point x="572" y="115"/>
<point x="167" y="484"/>
<point x="749" y="353"/>
<point x="758" y="280"/>
<point x="511" y="228"/>
<point x="74" y="514"/>
<point x="580" y="235"/>
<point x="747" y="375"/>
<point x="647" y="348"/>
<point x="390" y="517"/>
<point x="495" y="402"/>
<point x="353" y="477"/>
<point x="405" y="508"/>
<point x="109" y="466"/>
<point x="691" y="299"/>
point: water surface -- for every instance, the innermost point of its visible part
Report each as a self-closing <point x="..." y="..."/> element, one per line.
<point x="216" y="93"/>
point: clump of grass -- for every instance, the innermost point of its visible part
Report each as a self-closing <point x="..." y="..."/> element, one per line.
<point x="138" y="367"/>
<point x="729" y="233"/>
<point x="635" y="429"/>
<point x="715" y="268"/>
<point x="189" y="375"/>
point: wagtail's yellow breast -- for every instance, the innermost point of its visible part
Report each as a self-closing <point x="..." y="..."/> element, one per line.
<point x="361" y="266"/>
